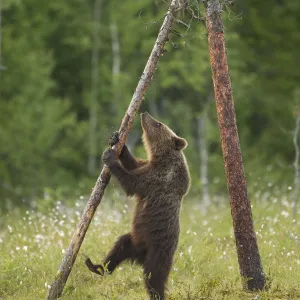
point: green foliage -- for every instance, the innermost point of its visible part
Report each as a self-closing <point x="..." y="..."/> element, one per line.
<point x="45" y="90"/>
<point x="205" y="266"/>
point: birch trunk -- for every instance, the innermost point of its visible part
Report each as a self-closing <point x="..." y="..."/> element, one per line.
<point x="116" y="65"/>
<point x="93" y="108"/>
<point x="296" y="167"/>
<point x="201" y="122"/>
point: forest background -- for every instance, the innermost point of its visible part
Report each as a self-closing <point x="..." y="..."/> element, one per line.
<point x="69" y="69"/>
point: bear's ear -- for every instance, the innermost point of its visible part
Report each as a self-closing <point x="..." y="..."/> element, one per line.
<point x="180" y="143"/>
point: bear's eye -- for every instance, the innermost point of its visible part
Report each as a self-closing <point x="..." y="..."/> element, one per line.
<point x="158" y="124"/>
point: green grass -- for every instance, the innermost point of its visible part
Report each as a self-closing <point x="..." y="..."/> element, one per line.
<point x="205" y="265"/>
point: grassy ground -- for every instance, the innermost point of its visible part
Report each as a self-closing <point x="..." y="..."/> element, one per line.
<point x="205" y="267"/>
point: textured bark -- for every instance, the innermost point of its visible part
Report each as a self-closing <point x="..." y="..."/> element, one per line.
<point x="65" y="268"/>
<point x="249" y="260"/>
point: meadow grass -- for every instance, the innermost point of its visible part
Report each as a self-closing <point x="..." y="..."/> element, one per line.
<point x="32" y="244"/>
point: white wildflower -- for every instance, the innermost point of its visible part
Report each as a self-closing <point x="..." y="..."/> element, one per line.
<point x="285" y="213"/>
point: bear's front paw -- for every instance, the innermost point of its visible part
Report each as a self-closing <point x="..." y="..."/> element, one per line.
<point x="108" y="156"/>
<point x="114" y="139"/>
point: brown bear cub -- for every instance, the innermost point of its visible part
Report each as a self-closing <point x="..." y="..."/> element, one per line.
<point x="159" y="185"/>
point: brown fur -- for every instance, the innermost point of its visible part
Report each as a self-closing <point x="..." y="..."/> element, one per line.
<point x="159" y="185"/>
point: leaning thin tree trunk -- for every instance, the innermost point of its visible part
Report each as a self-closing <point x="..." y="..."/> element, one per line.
<point x="248" y="256"/>
<point x="65" y="268"/>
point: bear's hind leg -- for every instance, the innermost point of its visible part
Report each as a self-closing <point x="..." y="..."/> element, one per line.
<point x="156" y="271"/>
<point x="122" y="250"/>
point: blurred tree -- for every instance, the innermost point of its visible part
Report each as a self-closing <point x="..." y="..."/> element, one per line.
<point x="93" y="106"/>
<point x="36" y="127"/>
<point x="268" y="48"/>
<point x="45" y="90"/>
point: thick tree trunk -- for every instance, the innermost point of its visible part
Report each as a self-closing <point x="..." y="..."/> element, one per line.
<point x="248" y="256"/>
<point x="65" y="268"/>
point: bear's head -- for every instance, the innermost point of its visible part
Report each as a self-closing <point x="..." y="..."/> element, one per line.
<point x="158" y="138"/>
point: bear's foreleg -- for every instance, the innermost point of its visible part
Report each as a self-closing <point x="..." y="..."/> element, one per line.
<point x="128" y="181"/>
<point x="128" y="161"/>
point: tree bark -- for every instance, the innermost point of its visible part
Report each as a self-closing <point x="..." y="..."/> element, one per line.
<point x="249" y="260"/>
<point x="65" y="268"/>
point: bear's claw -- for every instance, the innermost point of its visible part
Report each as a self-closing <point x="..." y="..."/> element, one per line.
<point x="114" y="139"/>
<point x="94" y="268"/>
